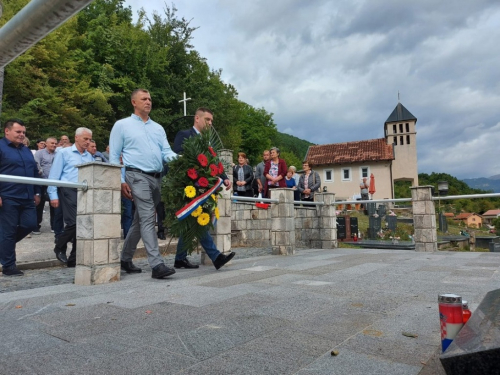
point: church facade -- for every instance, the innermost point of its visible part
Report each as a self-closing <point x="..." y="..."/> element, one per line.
<point x="342" y="166"/>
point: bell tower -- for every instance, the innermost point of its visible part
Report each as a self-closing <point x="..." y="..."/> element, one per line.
<point x="400" y="131"/>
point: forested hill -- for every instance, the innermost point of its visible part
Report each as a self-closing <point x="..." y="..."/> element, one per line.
<point x="82" y="74"/>
<point x="484" y="183"/>
<point x="291" y="143"/>
<point x="456" y="187"/>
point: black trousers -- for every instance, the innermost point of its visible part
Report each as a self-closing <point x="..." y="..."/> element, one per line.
<point x="160" y="211"/>
<point x="67" y="199"/>
<point x="41" y="206"/>
<point x="246" y="193"/>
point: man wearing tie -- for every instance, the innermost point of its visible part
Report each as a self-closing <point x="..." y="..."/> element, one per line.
<point x="203" y="118"/>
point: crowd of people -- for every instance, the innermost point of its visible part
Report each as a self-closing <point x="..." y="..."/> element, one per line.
<point x="272" y="173"/>
<point x="141" y="146"/>
<point x="138" y="143"/>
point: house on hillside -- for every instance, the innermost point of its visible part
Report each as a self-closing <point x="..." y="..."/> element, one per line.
<point x="470" y="220"/>
<point x="342" y="166"/>
<point x="449" y="215"/>
<point x="490" y="215"/>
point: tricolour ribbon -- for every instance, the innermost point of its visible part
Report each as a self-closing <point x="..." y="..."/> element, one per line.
<point x="193" y="205"/>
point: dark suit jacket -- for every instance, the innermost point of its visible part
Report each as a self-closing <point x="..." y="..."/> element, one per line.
<point x="179" y="140"/>
<point x="180" y="137"/>
<point x="247" y="176"/>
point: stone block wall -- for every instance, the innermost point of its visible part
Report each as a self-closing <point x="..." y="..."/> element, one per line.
<point x="251" y="226"/>
<point x="307" y="231"/>
<point x="424" y="219"/>
<point x="98" y="227"/>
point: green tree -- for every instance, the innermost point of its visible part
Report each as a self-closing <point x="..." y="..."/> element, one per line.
<point x="292" y="144"/>
<point x="10" y="8"/>
<point x="496" y="223"/>
<point x="82" y="74"/>
<point x="291" y="159"/>
<point x="256" y="128"/>
<point x="44" y="88"/>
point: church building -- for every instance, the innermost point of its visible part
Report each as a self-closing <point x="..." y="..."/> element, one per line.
<point x="342" y="166"/>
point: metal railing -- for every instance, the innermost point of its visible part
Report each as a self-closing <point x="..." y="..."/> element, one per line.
<point x="467" y="196"/>
<point x="32" y="23"/>
<point x="44" y="182"/>
<point x="267" y="200"/>
<point x="250" y="199"/>
<point x="396" y="200"/>
<point x="84" y="186"/>
<point x="373" y="201"/>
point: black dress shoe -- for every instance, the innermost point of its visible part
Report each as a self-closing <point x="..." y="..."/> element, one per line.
<point x="71" y="264"/>
<point x="161" y="271"/>
<point x="12" y="271"/>
<point x="61" y="257"/>
<point x="184" y="263"/>
<point x="161" y="236"/>
<point x="129" y="267"/>
<point x="223" y="259"/>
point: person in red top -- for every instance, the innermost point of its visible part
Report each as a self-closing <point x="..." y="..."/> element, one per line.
<point x="275" y="172"/>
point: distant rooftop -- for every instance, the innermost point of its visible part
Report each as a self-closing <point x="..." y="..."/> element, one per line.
<point x="492" y="213"/>
<point x="465" y="215"/>
<point x="350" y="152"/>
<point x="400" y="113"/>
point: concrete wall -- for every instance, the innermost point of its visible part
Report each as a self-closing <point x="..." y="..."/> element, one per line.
<point x="346" y="189"/>
<point x="251" y="226"/>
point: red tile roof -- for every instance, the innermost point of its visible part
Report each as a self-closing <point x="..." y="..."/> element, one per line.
<point x="350" y="152"/>
<point x="464" y="215"/>
<point x="449" y="214"/>
<point x="492" y="213"/>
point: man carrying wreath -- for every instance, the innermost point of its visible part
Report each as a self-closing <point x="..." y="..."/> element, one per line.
<point x="203" y="118"/>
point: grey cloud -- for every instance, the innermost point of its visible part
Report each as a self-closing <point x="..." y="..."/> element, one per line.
<point x="330" y="70"/>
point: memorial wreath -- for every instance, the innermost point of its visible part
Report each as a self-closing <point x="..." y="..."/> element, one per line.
<point x="191" y="190"/>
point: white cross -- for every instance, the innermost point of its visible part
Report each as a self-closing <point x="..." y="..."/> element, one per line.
<point x="184" y="100"/>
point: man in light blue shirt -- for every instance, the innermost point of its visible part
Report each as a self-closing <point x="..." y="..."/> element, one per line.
<point x="144" y="148"/>
<point x="63" y="168"/>
<point x="44" y="159"/>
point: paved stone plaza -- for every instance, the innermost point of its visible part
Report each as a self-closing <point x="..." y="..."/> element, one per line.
<point x="262" y="314"/>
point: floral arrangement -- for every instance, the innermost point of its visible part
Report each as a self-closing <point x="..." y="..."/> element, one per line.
<point x="190" y="191"/>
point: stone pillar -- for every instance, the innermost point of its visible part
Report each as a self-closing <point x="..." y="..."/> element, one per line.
<point x="327" y="220"/>
<point x="282" y="222"/>
<point x="424" y="219"/>
<point x="98" y="228"/>
<point x="222" y="232"/>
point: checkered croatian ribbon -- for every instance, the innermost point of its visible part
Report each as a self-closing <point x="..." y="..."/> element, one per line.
<point x="193" y="205"/>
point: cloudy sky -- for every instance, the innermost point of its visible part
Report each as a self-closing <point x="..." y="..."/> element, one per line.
<point x="330" y="71"/>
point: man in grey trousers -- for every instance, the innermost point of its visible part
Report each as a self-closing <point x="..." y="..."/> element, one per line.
<point x="144" y="148"/>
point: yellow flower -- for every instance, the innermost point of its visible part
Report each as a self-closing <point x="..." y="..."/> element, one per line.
<point x="190" y="191"/>
<point x="214" y="197"/>
<point x="217" y="214"/>
<point x="203" y="219"/>
<point x="197" y="212"/>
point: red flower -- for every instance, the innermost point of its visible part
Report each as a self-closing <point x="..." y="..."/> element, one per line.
<point x="203" y="182"/>
<point x="221" y="168"/>
<point x="202" y="159"/>
<point x="214" y="170"/>
<point x="212" y="151"/>
<point x="192" y="174"/>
